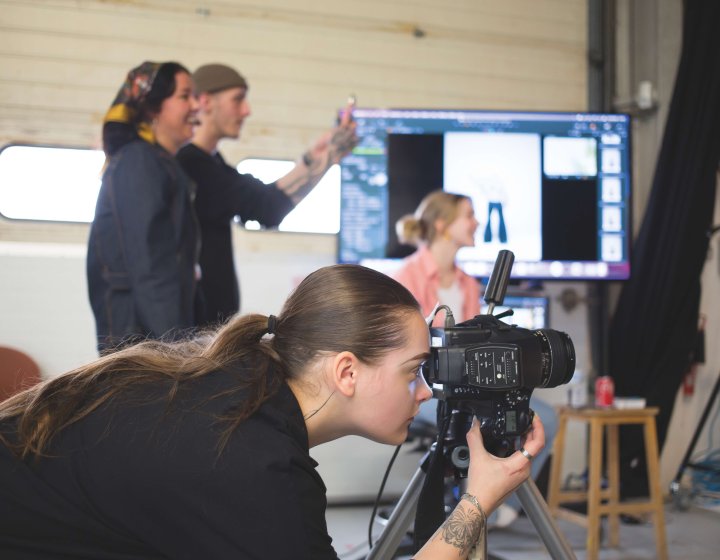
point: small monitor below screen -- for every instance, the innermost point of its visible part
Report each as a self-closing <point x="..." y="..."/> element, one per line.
<point x="529" y="311"/>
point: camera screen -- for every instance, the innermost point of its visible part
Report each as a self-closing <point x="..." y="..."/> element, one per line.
<point x="510" y="421"/>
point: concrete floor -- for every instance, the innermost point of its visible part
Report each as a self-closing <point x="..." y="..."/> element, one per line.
<point x="693" y="534"/>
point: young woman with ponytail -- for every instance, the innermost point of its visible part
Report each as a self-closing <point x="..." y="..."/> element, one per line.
<point x="201" y="448"/>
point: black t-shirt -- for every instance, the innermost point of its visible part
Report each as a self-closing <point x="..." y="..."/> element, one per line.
<point x="142" y="479"/>
<point x="223" y="193"/>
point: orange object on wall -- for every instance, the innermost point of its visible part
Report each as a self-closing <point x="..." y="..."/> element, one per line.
<point x="18" y="371"/>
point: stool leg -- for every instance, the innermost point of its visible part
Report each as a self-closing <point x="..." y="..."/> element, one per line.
<point x="651" y="450"/>
<point x="556" y="464"/>
<point x="595" y="468"/>
<point x="613" y="470"/>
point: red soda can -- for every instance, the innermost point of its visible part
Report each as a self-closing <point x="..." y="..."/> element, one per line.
<point x="604" y="391"/>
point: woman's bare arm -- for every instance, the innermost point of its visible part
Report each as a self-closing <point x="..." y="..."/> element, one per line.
<point x="490" y="480"/>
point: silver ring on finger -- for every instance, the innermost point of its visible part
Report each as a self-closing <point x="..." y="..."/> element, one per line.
<point x="527" y="454"/>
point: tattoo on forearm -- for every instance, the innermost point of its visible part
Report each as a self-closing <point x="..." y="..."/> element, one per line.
<point x="299" y="183"/>
<point x="462" y="529"/>
<point x="342" y="141"/>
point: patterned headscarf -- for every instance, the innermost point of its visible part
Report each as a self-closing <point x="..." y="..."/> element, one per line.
<point x="119" y="124"/>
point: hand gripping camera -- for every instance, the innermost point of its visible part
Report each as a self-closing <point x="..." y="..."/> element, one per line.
<point x="487" y="368"/>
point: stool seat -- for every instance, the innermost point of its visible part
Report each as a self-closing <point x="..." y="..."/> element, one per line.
<point x="607" y="502"/>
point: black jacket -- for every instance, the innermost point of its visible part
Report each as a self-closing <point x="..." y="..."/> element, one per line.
<point x="143" y="247"/>
<point x="222" y="194"/>
<point x="141" y="478"/>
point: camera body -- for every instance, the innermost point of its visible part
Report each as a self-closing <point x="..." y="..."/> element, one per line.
<point x="488" y="369"/>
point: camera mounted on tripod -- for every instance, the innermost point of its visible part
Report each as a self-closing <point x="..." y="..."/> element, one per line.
<point x="486" y="368"/>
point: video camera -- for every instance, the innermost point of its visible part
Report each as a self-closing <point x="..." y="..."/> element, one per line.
<point x="488" y="369"/>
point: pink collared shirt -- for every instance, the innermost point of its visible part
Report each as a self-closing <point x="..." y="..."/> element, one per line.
<point x="419" y="274"/>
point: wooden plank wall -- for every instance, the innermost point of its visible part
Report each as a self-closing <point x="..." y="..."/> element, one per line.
<point x="61" y="61"/>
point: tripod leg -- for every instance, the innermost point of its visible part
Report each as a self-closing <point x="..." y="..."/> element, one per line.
<point x="400" y="520"/>
<point x="675" y="485"/>
<point x="539" y="513"/>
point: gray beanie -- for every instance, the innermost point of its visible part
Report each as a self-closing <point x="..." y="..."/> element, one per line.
<point x="211" y="78"/>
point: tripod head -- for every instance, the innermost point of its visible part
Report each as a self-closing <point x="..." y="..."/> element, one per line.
<point x="458" y="415"/>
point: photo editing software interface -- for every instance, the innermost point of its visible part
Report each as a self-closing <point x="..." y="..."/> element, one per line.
<point x="553" y="188"/>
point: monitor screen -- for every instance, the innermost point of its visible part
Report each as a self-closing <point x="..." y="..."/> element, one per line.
<point x="553" y="188"/>
<point x="529" y="311"/>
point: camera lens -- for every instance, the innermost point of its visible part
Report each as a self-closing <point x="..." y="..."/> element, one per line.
<point x="560" y="353"/>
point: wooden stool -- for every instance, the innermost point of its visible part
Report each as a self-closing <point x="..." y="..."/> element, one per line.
<point x="594" y="496"/>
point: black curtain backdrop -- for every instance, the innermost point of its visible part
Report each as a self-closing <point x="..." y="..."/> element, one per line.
<point x="655" y="324"/>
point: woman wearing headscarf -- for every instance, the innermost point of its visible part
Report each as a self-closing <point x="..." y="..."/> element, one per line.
<point x="143" y="246"/>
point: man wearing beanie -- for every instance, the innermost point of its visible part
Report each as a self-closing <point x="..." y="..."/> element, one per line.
<point x="223" y="193"/>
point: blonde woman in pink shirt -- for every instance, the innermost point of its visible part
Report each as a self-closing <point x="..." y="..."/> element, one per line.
<point x="443" y="223"/>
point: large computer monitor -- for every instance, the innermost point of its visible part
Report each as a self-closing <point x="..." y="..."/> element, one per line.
<point x="554" y="188"/>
